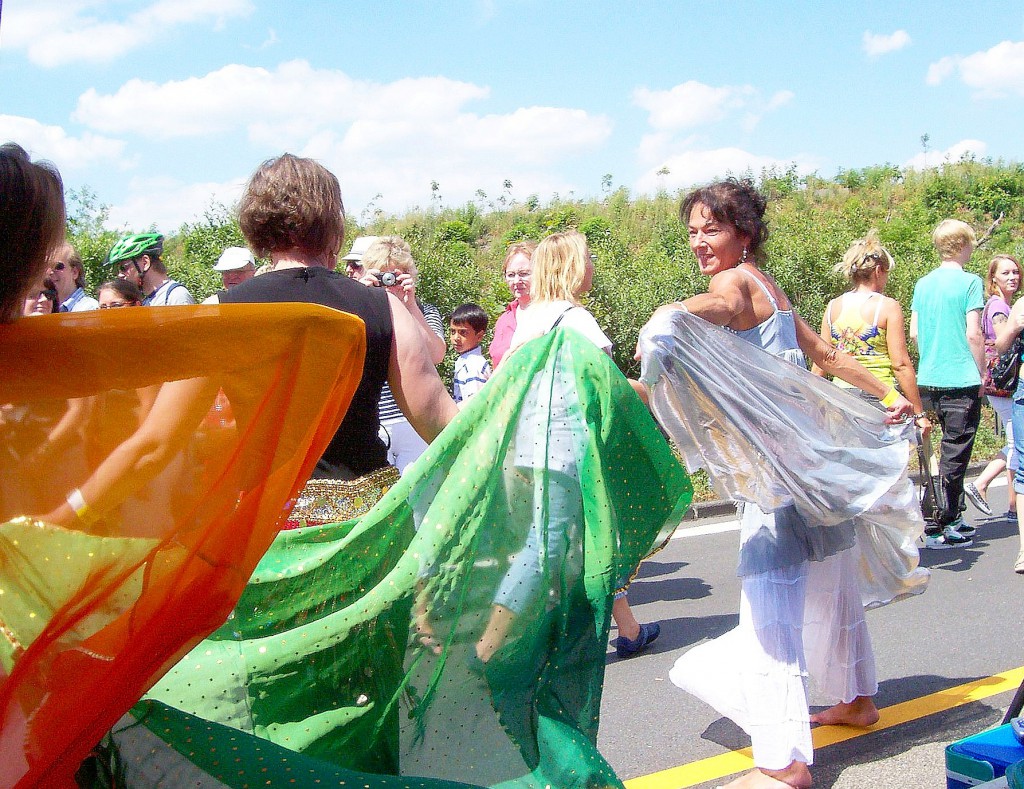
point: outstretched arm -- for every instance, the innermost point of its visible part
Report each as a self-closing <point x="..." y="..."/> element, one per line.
<point x="720" y="305"/>
<point x="835" y="362"/>
<point x="723" y="302"/>
<point x="177" y="411"/>
<point x="826" y="335"/>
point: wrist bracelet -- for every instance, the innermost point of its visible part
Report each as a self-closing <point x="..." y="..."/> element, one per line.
<point x="890" y="398"/>
<point x="82" y="511"/>
<point x="922" y="415"/>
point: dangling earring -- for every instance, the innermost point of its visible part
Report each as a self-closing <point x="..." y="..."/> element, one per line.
<point x="743" y="258"/>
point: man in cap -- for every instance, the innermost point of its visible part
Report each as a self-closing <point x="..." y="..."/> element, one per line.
<point x="236" y="265"/>
<point x="353" y="264"/>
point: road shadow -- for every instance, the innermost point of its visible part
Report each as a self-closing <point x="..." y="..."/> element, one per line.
<point x="995" y="528"/>
<point x="683" y="632"/>
<point x="990" y="531"/>
<point x="830" y="761"/>
<point x="955" y="560"/>
<point x="652" y="568"/>
<point x="668" y="590"/>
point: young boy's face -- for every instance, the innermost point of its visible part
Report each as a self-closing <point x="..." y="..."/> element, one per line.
<point x="464" y="337"/>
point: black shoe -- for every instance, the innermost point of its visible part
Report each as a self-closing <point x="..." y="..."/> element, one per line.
<point x="627" y="647"/>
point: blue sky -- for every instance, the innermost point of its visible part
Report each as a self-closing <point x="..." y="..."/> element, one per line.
<point x="162" y="106"/>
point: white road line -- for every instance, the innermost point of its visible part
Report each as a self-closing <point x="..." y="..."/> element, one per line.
<point x="734" y="525"/>
<point x="710" y="528"/>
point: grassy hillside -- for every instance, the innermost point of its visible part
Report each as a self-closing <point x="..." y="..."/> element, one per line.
<point x="643" y="258"/>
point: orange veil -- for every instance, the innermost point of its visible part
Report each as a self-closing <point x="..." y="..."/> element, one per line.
<point x="187" y="431"/>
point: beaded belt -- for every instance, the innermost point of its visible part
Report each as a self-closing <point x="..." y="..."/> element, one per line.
<point x="333" y="501"/>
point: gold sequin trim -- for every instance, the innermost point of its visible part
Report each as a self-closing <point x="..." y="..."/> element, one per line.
<point x="333" y="501"/>
<point x="7" y="633"/>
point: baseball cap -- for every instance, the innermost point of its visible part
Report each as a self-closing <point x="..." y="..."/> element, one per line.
<point x="234" y="258"/>
<point x="359" y="247"/>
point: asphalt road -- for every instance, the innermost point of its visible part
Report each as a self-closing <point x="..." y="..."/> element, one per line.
<point x="967" y="626"/>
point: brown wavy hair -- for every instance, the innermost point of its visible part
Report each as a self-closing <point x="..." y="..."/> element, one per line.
<point x="990" y="280"/>
<point x="292" y="203"/>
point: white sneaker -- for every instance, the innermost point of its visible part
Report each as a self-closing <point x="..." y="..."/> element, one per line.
<point x="947" y="538"/>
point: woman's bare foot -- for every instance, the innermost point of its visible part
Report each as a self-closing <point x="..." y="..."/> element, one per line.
<point x="429" y="642"/>
<point x="795" y="776"/>
<point x="859" y="712"/>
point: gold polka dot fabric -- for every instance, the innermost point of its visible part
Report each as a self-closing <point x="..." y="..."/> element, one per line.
<point x="458" y="631"/>
<point x="178" y="498"/>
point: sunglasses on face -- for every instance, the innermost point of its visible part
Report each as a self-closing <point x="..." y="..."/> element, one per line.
<point x="114" y="304"/>
<point x="58" y="266"/>
<point x="126" y="266"/>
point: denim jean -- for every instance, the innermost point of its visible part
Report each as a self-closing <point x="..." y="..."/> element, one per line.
<point x="1018" y="437"/>
<point x="958" y="412"/>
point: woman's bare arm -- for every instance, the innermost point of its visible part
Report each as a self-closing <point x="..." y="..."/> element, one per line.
<point x="837" y="363"/>
<point x="178" y="409"/>
<point x="826" y="335"/>
<point x="896" y="344"/>
<point x="413" y="378"/>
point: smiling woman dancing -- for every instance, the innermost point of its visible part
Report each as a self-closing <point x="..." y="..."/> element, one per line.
<point x="800" y="607"/>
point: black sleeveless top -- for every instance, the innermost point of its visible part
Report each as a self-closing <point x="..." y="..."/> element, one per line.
<point x="356" y="449"/>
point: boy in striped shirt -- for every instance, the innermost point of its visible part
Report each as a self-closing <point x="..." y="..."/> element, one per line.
<point x="468" y="325"/>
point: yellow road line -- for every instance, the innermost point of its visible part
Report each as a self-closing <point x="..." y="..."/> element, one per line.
<point x="725" y="764"/>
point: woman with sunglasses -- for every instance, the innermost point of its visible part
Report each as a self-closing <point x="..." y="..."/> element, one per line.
<point x="68" y="275"/>
<point x="41" y="300"/>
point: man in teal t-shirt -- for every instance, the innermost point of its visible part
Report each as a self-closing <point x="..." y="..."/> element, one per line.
<point x="945" y="322"/>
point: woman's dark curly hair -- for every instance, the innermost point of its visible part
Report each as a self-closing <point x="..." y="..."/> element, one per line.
<point x="736" y="202"/>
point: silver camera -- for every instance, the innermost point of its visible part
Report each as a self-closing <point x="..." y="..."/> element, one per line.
<point x="386" y="279"/>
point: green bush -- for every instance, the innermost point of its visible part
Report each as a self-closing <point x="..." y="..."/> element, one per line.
<point x="642" y="249"/>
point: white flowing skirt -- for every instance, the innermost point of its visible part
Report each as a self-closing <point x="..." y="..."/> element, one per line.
<point x="803" y="619"/>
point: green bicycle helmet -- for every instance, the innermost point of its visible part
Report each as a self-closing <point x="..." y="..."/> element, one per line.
<point x="132" y="246"/>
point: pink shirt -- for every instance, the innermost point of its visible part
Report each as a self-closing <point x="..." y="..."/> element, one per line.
<point x="504" y="328"/>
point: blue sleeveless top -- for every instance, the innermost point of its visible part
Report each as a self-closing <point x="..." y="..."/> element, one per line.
<point x="776" y="333"/>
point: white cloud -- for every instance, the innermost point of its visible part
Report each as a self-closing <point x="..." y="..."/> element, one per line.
<point x="55" y="144"/>
<point x="940" y="70"/>
<point x="167" y="203"/>
<point x="269" y="104"/>
<point x="992" y="73"/>
<point x="58" y="32"/>
<point x="953" y="153"/>
<point x="877" y="44"/>
<point x="687" y="168"/>
<point x="392" y="138"/>
<point x="670" y="161"/>
<point x="399" y="158"/>
<point x="692" y="104"/>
